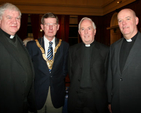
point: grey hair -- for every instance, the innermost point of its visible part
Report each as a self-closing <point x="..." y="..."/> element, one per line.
<point x="8" y="6"/>
<point x="49" y="15"/>
<point x="86" y="18"/>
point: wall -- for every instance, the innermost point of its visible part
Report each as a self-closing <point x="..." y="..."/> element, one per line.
<point x="107" y="19"/>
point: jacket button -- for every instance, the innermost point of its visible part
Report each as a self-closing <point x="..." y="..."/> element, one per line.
<point x="121" y="79"/>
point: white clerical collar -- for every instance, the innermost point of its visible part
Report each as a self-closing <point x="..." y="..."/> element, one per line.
<point x="129" y="40"/>
<point x="11" y="36"/>
<point x="87" y="45"/>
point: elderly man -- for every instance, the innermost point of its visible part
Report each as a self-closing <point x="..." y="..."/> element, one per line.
<point x="124" y="71"/>
<point x="87" y="93"/>
<point x="16" y="70"/>
<point x="49" y="56"/>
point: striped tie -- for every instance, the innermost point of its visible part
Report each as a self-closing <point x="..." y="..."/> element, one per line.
<point x="50" y="51"/>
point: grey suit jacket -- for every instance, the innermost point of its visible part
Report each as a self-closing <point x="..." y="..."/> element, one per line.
<point x="124" y="89"/>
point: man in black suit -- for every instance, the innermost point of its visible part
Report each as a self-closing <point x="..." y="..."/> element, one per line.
<point x="50" y="70"/>
<point x="124" y="71"/>
<point x="87" y="92"/>
<point x="16" y="70"/>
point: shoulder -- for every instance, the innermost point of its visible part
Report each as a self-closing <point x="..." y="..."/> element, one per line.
<point x="65" y="43"/>
<point x="116" y="44"/>
<point x="101" y="46"/>
<point x="75" y="46"/>
<point x="139" y="35"/>
<point x="33" y="42"/>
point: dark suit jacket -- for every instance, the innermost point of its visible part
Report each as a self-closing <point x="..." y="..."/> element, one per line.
<point x="97" y="70"/>
<point x="124" y="89"/>
<point x="44" y="79"/>
<point x="16" y="77"/>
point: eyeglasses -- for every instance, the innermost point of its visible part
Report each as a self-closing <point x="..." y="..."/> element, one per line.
<point x="50" y="24"/>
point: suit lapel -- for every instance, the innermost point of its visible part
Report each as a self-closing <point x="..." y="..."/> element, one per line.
<point x="56" y="41"/>
<point x="134" y="51"/>
<point x="117" y="54"/>
<point x="41" y="41"/>
<point x="57" y="53"/>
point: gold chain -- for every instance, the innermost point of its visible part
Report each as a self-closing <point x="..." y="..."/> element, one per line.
<point x="49" y="62"/>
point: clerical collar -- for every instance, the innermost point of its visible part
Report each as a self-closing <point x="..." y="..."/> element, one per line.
<point x="132" y="39"/>
<point x="129" y="40"/>
<point x="88" y="45"/>
<point x="11" y="36"/>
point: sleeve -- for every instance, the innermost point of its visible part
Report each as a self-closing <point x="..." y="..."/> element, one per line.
<point x="69" y="64"/>
<point x="109" y="77"/>
<point x="65" y="69"/>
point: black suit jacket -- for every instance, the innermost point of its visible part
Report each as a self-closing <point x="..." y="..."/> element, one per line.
<point x="97" y="71"/>
<point x="44" y="79"/>
<point x="124" y="89"/>
<point x="16" y="77"/>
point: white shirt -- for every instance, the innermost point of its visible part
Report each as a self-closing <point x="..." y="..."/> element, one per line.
<point x="46" y="44"/>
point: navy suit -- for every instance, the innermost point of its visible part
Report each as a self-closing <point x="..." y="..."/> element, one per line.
<point x="44" y="79"/>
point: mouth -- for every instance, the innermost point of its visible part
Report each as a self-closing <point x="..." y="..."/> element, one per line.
<point x="50" y="32"/>
<point x="86" y="36"/>
<point x="14" y="26"/>
<point x="125" y="27"/>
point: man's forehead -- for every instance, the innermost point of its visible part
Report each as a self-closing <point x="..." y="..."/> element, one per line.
<point x="8" y="12"/>
<point x="125" y="13"/>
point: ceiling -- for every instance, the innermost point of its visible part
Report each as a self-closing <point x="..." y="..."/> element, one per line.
<point x="71" y="7"/>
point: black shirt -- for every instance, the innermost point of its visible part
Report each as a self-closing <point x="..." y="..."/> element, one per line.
<point x="124" y="51"/>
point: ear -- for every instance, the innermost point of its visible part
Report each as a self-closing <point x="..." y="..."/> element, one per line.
<point x="0" y="21"/>
<point x="58" y="26"/>
<point x="79" y="32"/>
<point x="94" y="31"/>
<point x="42" y="27"/>
<point x="137" y="20"/>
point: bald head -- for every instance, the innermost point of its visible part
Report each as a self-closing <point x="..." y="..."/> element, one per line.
<point x="127" y="21"/>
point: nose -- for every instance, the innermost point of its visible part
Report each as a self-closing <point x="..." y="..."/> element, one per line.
<point x="14" y="20"/>
<point x="50" y="26"/>
<point x="86" y="31"/>
<point x="123" y="22"/>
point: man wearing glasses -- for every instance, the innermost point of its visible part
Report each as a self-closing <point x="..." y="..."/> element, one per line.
<point x="49" y="56"/>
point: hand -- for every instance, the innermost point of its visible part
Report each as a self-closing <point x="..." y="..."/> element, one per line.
<point x="109" y="107"/>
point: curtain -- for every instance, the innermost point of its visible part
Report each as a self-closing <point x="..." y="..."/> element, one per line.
<point x="63" y="32"/>
<point x="22" y="33"/>
<point x="35" y="23"/>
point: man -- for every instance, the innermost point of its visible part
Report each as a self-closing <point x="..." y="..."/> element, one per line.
<point x="124" y="70"/>
<point x="87" y="93"/>
<point x="16" y="70"/>
<point x="50" y="69"/>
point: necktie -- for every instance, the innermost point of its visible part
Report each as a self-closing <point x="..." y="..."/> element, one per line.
<point x="50" y="51"/>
